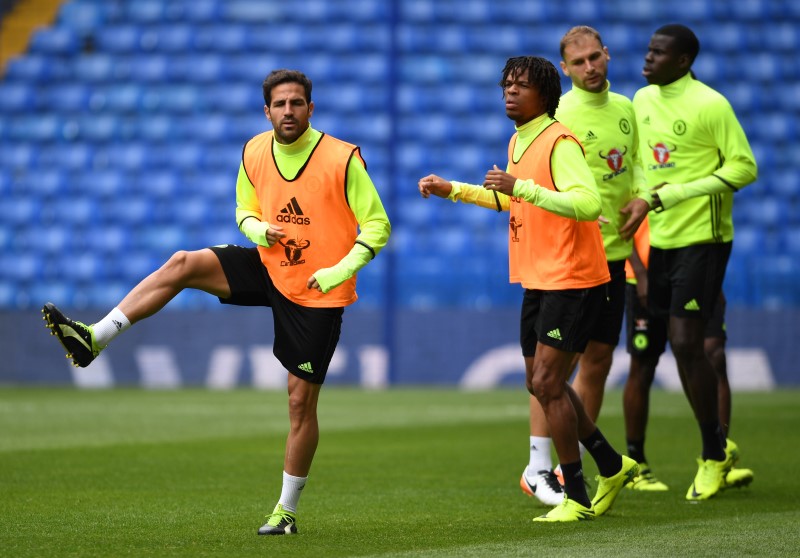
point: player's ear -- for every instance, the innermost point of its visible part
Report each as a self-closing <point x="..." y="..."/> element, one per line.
<point x="564" y="68"/>
<point x="266" y="113"/>
<point x="310" y="108"/>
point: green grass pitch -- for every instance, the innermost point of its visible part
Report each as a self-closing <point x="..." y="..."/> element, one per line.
<point x="398" y="473"/>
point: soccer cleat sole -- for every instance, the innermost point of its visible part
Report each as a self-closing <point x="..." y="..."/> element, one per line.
<point x="47" y="317"/>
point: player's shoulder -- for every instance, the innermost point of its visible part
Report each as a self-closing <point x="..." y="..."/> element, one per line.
<point x="618" y="98"/>
<point x="338" y="142"/>
<point x="706" y="93"/>
<point x="644" y="93"/>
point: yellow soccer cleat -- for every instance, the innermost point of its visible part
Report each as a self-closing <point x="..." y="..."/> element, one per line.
<point x="737" y="478"/>
<point x="608" y="488"/>
<point x="568" y="510"/>
<point x="646" y="481"/>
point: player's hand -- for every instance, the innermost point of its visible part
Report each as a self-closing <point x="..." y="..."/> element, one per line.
<point x="499" y="181"/>
<point x="602" y="221"/>
<point x="313" y="284"/>
<point x="435" y="185"/>
<point x="636" y="210"/>
<point x="274" y="233"/>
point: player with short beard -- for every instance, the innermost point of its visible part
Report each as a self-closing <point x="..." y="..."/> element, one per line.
<point x="304" y="269"/>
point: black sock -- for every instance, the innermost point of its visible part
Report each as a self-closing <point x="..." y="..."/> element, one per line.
<point x="573" y="483"/>
<point x="609" y="462"/>
<point x="636" y="450"/>
<point x="713" y="444"/>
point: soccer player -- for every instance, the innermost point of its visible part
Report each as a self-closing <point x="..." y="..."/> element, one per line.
<point x="699" y="157"/>
<point x="301" y="197"/>
<point x="647" y="339"/>
<point x="605" y="124"/>
<point x="556" y="253"/>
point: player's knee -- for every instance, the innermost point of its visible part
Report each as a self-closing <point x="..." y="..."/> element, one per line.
<point x="686" y="347"/>
<point x="544" y="388"/>
<point x="179" y="265"/>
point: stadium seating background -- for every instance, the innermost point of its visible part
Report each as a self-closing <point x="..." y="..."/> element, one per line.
<point x="121" y="132"/>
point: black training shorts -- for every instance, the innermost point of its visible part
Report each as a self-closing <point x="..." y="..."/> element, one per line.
<point x="305" y="337"/>
<point x="647" y="334"/>
<point x="560" y="319"/>
<point x="608" y="324"/>
<point x="686" y="282"/>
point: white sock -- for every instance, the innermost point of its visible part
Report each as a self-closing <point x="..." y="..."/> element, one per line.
<point x="290" y="493"/>
<point x="540" y="455"/>
<point x="109" y="327"/>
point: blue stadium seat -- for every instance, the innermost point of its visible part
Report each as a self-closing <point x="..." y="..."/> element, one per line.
<point x="101" y="184"/>
<point x="67" y="156"/>
<point x="84" y="17"/>
<point x="136" y="265"/>
<point x="44" y="128"/>
<point x="18" y="155"/>
<point x="253" y="12"/>
<point x="99" y="127"/>
<point x="131" y="156"/>
<point x="119" y="39"/>
<point x="173" y="99"/>
<point x="221" y="38"/>
<point x="55" y="41"/>
<point x="111" y="293"/>
<point x="149" y="67"/>
<point x="69" y="97"/>
<point x="224" y="157"/>
<point x="157" y="128"/>
<point x="214" y="185"/>
<point x="172" y="38"/>
<point x="18" y="97"/>
<point x="236" y="97"/>
<point x="776" y="281"/>
<point x="21" y="266"/>
<point x="32" y="68"/>
<point x="112" y="239"/>
<point x="158" y="184"/>
<point x="204" y="68"/>
<point x="202" y="11"/>
<point x="791" y="240"/>
<point x="83" y="267"/>
<point x="186" y="156"/>
<point x="131" y="211"/>
<point x="784" y="183"/>
<point x="213" y="127"/>
<point x="145" y="11"/>
<point x="42" y="183"/>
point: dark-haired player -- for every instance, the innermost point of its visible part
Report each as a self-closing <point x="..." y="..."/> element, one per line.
<point x="303" y="268"/>
<point x="556" y="253"/>
<point x="698" y="157"/>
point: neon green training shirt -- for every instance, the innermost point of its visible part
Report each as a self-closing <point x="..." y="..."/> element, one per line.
<point x="606" y="126"/>
<point x="691" y="140"/>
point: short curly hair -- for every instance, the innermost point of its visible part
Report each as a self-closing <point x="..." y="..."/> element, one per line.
<point x="541" y="73"/>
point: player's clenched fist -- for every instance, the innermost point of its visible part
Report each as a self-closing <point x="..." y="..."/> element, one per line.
<point x="435" y="185"/>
